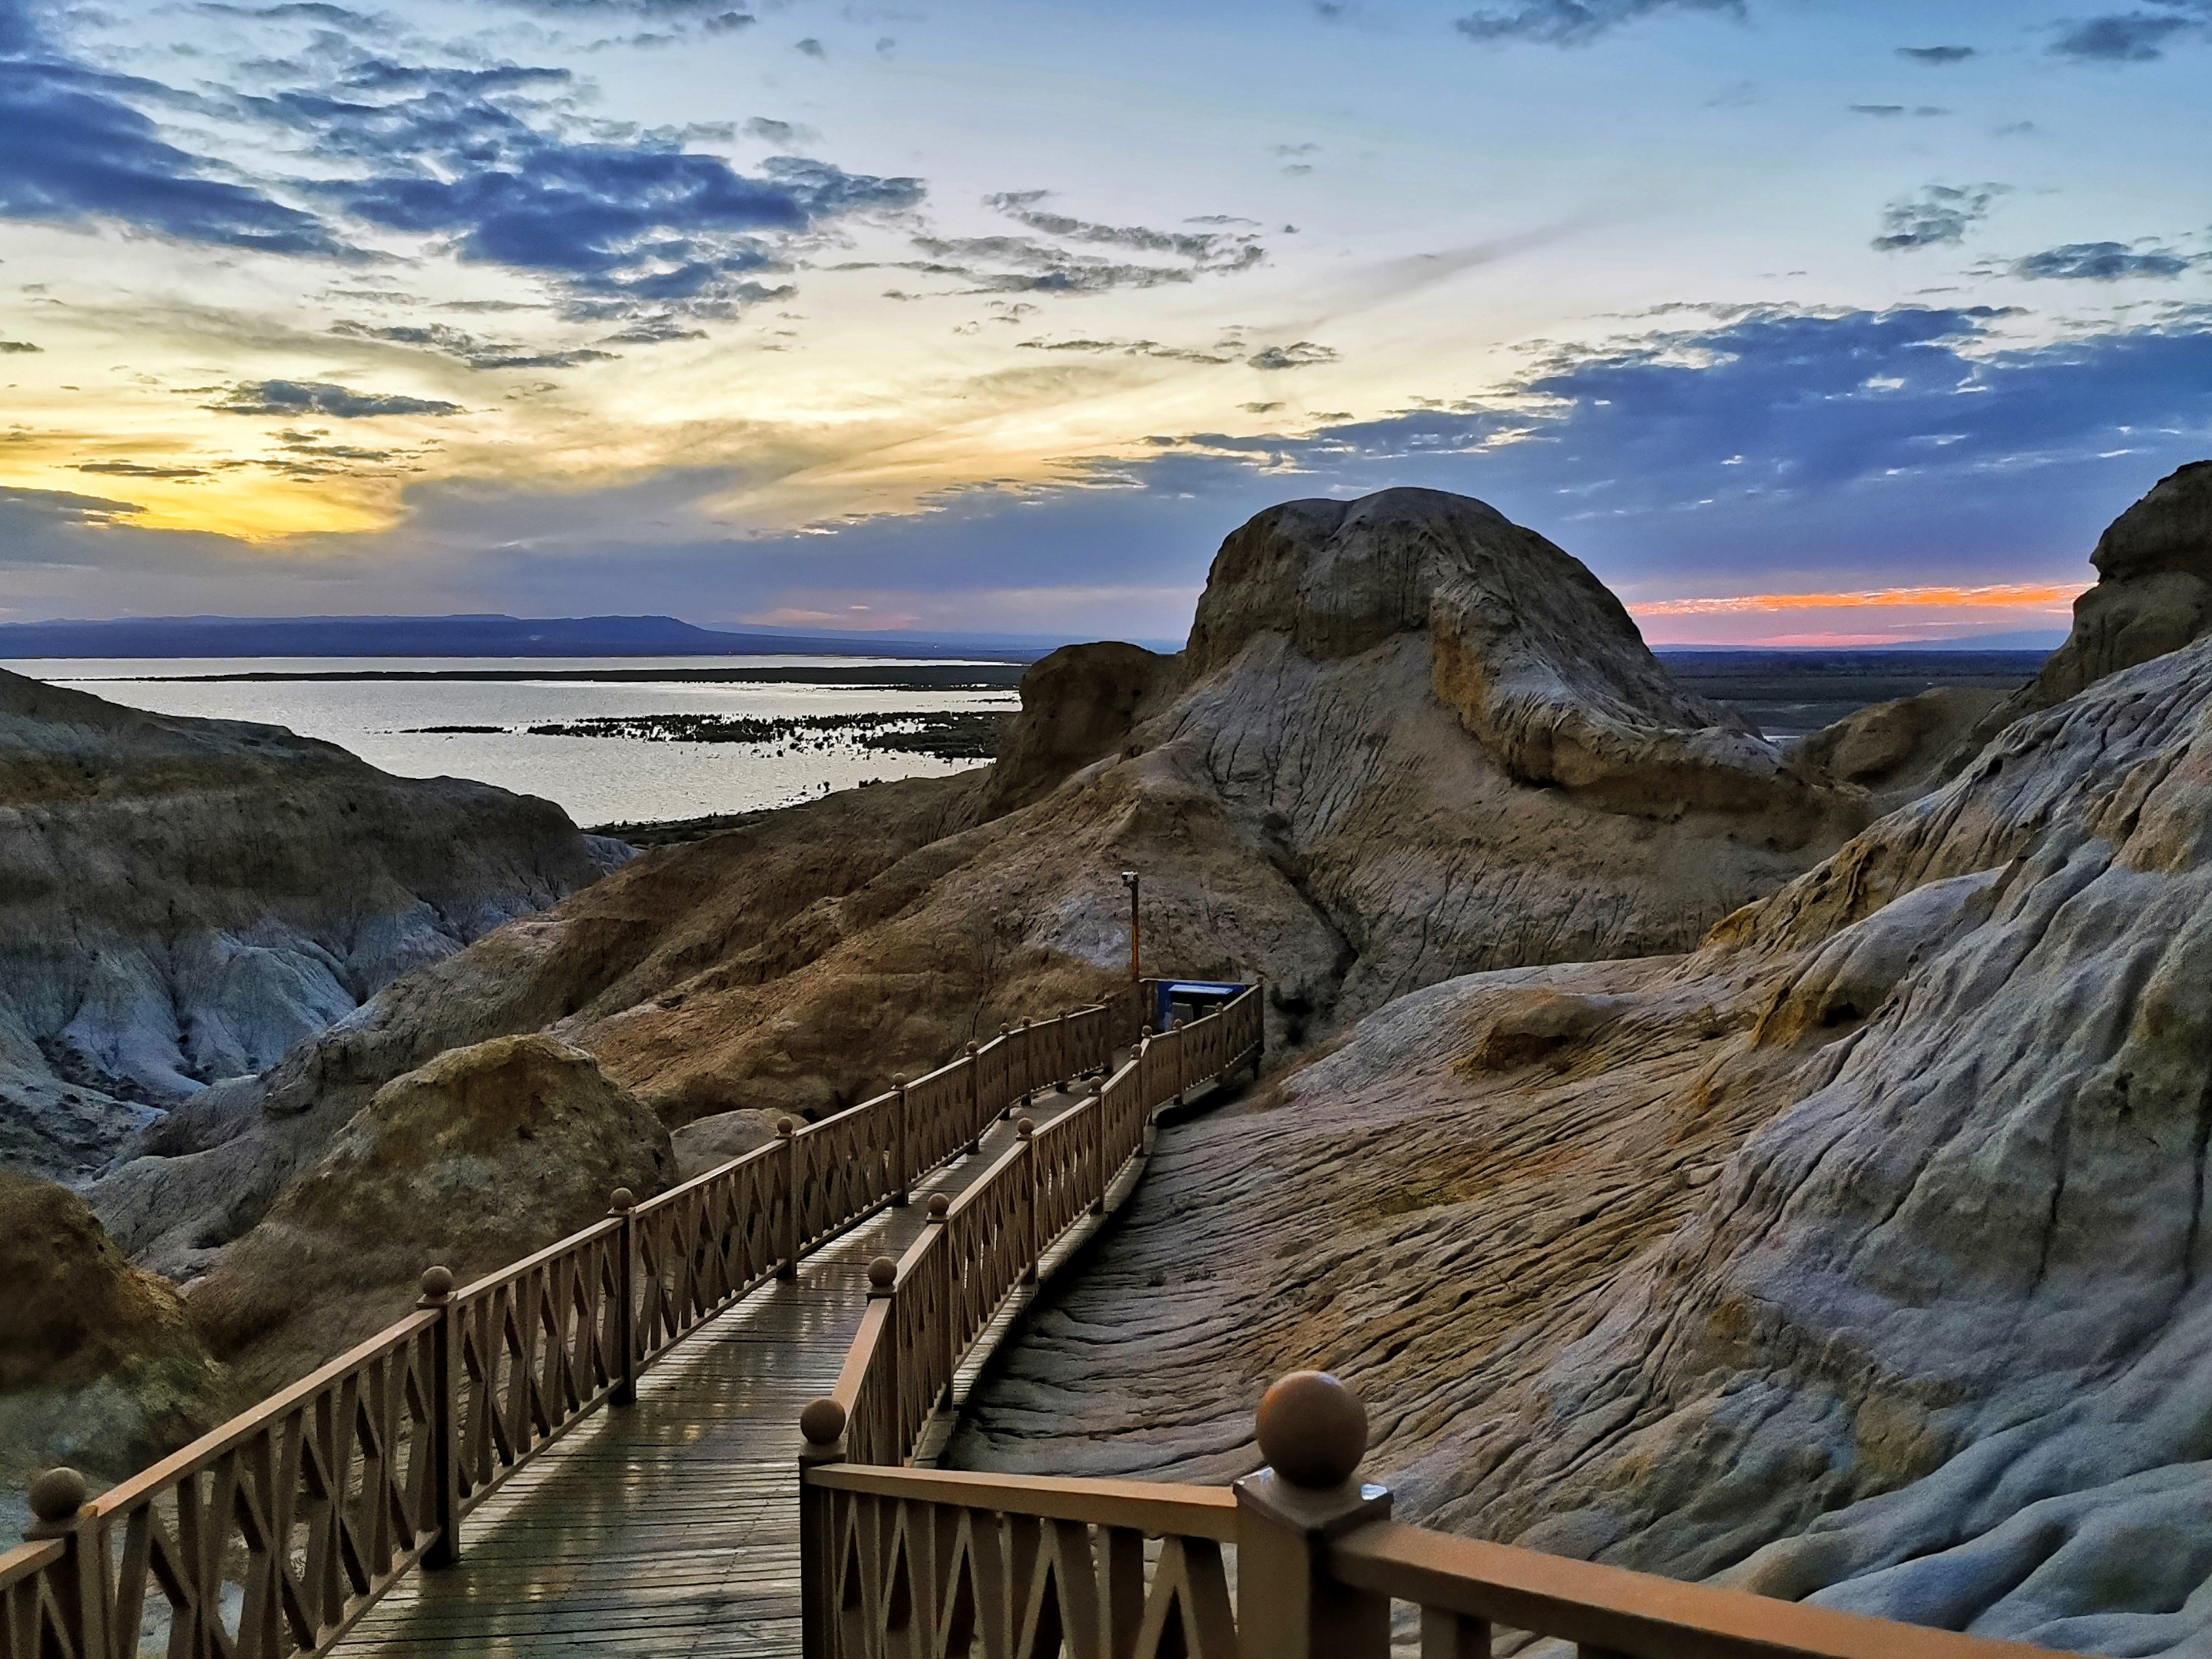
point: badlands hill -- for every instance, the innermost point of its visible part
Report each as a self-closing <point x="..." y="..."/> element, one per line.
<point x="182" y="901"/>
<point x="1859" y="1255"/>
<point x="1408" y="740"/>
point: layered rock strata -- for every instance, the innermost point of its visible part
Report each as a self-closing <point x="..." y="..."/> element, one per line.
<point x="1858" y="1256"/>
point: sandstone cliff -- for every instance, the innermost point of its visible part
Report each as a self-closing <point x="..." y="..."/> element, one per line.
<point x="182" y="901"/>
<point x="1408" y="740"/>
<point x="1859" y="1254"/>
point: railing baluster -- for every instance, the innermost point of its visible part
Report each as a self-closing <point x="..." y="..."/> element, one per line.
<point x="1449" y="1635"/>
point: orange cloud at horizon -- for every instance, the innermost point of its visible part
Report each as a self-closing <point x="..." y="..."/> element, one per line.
<point x="1992" y="596"/>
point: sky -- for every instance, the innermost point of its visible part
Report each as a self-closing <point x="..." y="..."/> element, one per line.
<point x="1799" y="321"/>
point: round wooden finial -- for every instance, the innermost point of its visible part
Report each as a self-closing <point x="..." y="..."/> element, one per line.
<point x="1025" y="1128"/>
<point x="822" y="1422"/>
<point x="624" y="1199"/>
<point x="883" y="1273"/>
<point x="970" y="1050"/>
<point x="437" y="1282"/>
<point x="1312" y="1430"/>
<point x="57" y="1494"/>
<point x="898" y="1083"/>
<point x="940" y="1206"/>
<point x="786" y="1127"/>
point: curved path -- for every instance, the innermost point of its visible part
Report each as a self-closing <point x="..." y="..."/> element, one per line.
<point x="671" y="1526"/>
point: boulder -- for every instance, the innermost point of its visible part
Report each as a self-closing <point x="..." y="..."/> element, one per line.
<point x="476" y="1159"/>
<point x="100" y="1368"/>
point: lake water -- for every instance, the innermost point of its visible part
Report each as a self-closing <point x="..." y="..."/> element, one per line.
<point x="596" y="780"/>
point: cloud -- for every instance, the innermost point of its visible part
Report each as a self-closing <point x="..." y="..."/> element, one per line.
<point x="1937" y="55"/>
<point x="1126" y="349"/>
<point x="466" y="348"/>
<point x="139" y="470"/>
<point x="1301" y="355"/>
<point x="2101" y="262"/>
<point x="1939" y="216"/>
<point x="811" y="47"/>
<point x="6" y="346"/>
<point x="1572" y="23"/>
<point x="21" y="509"/>
<point x="1033" y="263"/>
<point x="778" y="132"/>
<point x="1889" y="110"/>
<point x="1994" y="595"/>
<point x="296" y="398"/>
<point x="2135" y="37"/>
<point x="73" y="150"/>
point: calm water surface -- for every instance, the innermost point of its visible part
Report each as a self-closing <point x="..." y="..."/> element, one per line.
<point x="596" y="779"/>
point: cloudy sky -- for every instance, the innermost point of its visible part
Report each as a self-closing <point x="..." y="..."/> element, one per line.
<point x="1798" y="320"/>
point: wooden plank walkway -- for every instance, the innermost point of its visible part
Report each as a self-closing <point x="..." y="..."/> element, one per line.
<point x="671" y="1526"/>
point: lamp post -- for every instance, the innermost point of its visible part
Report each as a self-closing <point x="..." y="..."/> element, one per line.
<point x="1129" y="879"/>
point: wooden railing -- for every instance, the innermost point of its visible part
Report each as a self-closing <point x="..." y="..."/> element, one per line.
<point x="902" y="1563"/>
<point x="927" y="1307"/>
<point x="1300" y="1561"/>
<point x="274" y="1532"/>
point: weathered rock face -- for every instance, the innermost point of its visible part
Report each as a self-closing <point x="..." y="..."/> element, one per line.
<point x="182" y="901"/>
<point x="1859" y="1255"/>
<point x="2154" y="594"/>
<point x="99" y="1367"/>
<point x="1408" y="741"/>
<point x="482" y="1157"/>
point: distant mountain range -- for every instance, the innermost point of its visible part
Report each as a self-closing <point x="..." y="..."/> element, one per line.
<point x="467" y="636"/>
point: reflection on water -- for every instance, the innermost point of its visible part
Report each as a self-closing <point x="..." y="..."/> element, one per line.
<point x="596" y="780"/>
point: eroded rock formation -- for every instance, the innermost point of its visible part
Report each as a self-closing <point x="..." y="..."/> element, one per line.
<point x="1409" y="739"/>
<point x="1858" y="1256"/>
<point x="182" y="901"/>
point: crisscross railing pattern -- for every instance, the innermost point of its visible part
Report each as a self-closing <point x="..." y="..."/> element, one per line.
<point x="900" y="1563"/>
<point x="272" y="1535"/>
<point x="979" y="1246"/>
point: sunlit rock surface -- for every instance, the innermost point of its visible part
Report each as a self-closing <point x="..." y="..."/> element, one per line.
<point x="1858" y="1256"/>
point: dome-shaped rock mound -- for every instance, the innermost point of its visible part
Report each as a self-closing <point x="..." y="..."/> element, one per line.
<point x="478" y="1158"/>
<point x="99" y="1367"/>
<point x="1535" y="655"/>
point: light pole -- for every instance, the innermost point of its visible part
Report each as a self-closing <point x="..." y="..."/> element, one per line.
<point x="1129" y="879"/>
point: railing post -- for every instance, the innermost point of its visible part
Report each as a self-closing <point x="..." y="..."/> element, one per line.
<point x="624" y="1206"/>
<point x="1182" y="1059"/>
<point x="787" y="1243"/>
<point x="940" y="1211"/>
<point x="1099" y="1173"/>
<point x="58" y="1510"/>
<point x="901" y="1146"/>
<point x="974" y="1102"/>
<point x="1313" y="1432"/>
<point x="1027" y="1044"/>
<point x="444" y="1478"/>
<point x="822" y="1426"/>
<point x="883" y="1287"/>
<point x="1026" y="1184"/>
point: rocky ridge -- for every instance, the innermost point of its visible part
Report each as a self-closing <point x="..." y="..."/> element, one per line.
<point x="1858" y="1255"/>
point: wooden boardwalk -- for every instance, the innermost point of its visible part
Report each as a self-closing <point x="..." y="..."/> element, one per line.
<point x="671" y="1526"/>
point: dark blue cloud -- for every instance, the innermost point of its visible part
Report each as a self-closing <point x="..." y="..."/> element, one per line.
<point x="1936" y="54"/>
<point x="1938" y="216"/>
<point x="1572" y="23"/>
<point x="2101" y="262"/>
<point x="2135" y="37"/>
<point x="292" y="398"/>
<point x="74" y="149"/>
